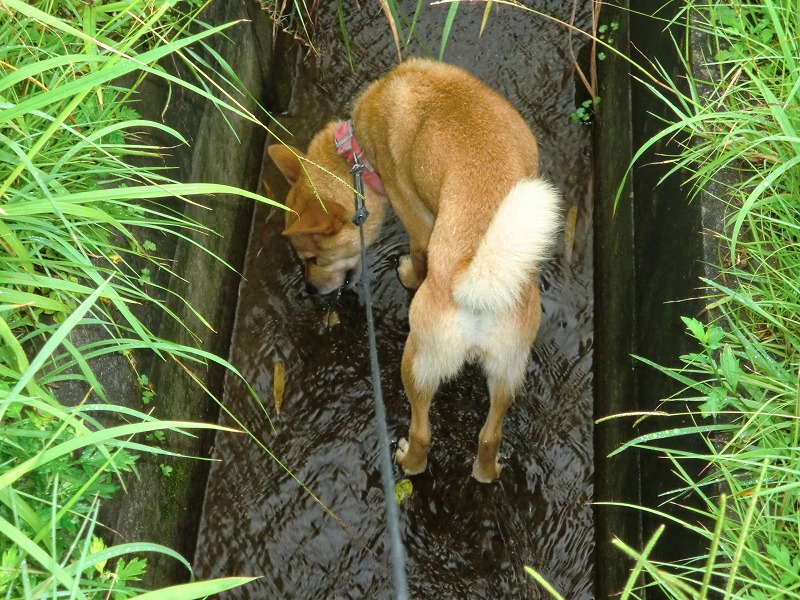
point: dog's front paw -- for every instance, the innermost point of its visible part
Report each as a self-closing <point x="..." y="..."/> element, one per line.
<point x="405" y="461"/>
<point x="485" y="474"/>
<point x="406" y="273"/>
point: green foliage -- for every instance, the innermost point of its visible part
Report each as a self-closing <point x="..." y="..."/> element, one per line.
<point x="605" y="38"/>
<point x="74" y="214"/>
<point x="741" y="386"/>
<point x="585" y="112"/>
<point x="606" y="33"/>
<point x="123" y="573"/>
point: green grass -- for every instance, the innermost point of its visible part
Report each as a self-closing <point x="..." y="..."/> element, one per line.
<point x="74" y="214"/>
<point x="741" y="386"/>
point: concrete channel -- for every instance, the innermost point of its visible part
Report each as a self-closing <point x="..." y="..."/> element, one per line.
<point x="607" y="297"/>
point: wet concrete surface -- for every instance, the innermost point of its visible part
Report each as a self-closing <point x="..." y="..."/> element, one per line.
<point x="462" y="539"/>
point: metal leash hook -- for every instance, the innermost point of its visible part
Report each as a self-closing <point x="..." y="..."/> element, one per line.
<point x="392" y="514"/>
<point x="361" y="213"/>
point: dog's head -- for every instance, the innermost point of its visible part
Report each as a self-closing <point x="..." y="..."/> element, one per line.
<point x="318" y="224"/>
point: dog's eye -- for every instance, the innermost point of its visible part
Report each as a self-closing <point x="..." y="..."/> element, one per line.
<point x="312" y="260"/>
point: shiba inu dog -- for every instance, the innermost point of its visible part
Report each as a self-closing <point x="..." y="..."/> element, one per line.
<point x="461" y="169"/>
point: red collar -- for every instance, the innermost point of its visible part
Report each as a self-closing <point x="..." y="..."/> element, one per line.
<point x="347" y="146"/>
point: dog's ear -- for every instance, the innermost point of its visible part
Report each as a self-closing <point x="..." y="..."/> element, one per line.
<point x="319" y="222"/>
<point x="287" y="161"/>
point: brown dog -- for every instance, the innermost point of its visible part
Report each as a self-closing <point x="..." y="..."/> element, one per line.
<point x="460" y="167"/>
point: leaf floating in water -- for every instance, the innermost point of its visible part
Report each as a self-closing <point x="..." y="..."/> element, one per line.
<point x="331" y="318"/>
<point x="569" y="232"/>
<point x="402" y="490"/>
<point x="277" y="386"/>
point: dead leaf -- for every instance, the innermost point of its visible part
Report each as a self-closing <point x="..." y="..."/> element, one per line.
<point x="277" y="386"/>
<point x="331" y="319"/>
<point x="393" y="26"/>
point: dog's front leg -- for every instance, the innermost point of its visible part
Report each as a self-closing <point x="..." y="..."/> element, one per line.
<point x="412" y="268"/>
<point x="412" y="454"/>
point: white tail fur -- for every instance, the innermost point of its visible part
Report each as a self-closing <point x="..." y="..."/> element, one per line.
<point x="519" y="236"/>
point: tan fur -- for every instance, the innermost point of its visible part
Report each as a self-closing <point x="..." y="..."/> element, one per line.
<point x="449" y="151"/>
<point x="318" y="224"/>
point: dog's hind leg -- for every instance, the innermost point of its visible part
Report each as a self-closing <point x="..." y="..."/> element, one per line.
<point x="434" y="352"/>
<point x="505" y="362"/>
<point x="486" y="468"/>
<point x="412" y="454"/>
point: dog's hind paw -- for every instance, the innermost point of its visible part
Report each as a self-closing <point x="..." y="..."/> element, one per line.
<point x="486" y="475"/>
<point x="404" y="460"/>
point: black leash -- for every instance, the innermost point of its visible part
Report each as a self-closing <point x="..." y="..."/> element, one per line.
<point x="392" y="515"/>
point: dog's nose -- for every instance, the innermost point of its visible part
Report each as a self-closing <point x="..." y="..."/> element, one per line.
<point x="311" y="290"/>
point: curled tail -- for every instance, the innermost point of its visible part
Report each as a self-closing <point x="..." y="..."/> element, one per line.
<point x="520" y="235"/>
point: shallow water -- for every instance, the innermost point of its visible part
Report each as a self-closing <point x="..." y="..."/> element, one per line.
<point x="462" y="539"/>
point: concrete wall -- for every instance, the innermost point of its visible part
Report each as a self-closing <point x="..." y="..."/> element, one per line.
<point x="156" y="508"/>
<point x="616" y="479"/>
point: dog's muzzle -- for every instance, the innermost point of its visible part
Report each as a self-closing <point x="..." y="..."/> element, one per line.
<point x="351" y="277"/>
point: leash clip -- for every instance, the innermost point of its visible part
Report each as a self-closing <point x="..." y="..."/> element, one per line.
<point x="360" y="216"/>
<point x="361" y="213"/>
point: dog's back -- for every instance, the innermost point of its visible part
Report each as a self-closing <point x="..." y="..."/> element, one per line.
<point x="464" y="169"/>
